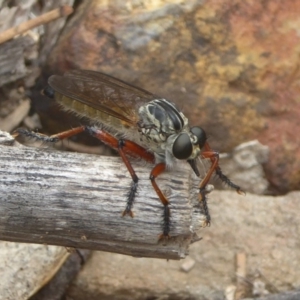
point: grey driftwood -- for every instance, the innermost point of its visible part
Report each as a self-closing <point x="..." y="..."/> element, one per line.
<point x="76" y="200"/>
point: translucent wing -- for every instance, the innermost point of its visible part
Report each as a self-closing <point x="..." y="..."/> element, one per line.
<point x="100" y="92"/>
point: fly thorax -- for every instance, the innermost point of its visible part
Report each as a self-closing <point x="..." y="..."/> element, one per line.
<point x="159" y="119"/>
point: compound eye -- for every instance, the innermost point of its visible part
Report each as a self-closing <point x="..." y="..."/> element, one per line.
<point x="200" y="134"/>
<point x="182" y="147"/>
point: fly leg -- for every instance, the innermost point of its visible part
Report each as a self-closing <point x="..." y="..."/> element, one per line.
<point x="157" y="170"/>
<point x="133" y="189"/>
<point x="124" y="147"/>
<point x="202" y="193"/>
<point x="214" y="158"/>
<point x="49" y="139"/>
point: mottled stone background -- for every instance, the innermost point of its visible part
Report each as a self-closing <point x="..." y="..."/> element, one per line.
<point x="233" y="66"/>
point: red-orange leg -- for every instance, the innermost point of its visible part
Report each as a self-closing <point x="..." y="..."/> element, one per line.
<point x="214" y="158"/>
<point x="124" y="147"/>
<point x="156" y="171"/>
<point x="130" y="148"/>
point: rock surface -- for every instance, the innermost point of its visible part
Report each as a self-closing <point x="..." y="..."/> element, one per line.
<point x="25" y="268"/>
<point x="232" y="66"/>
<point x="266" y="229"/>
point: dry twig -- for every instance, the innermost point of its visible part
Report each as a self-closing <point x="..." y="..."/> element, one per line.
<point x="40" y="20"/>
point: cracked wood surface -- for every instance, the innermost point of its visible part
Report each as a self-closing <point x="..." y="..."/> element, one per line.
<point x="76" y="200"/>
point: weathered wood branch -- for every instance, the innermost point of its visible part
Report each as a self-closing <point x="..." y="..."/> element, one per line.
<point x="40" y="20"/>
<point x="76" y="200"/>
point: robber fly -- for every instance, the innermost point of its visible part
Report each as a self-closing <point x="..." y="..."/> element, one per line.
<point x="135" y="123"/>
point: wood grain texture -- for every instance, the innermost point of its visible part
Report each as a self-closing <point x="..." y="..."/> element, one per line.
<point x="76" y="200"/>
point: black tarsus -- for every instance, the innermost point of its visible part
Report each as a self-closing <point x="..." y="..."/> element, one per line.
<point x="166" y="221"/>
<point x="130" y="198"/>
<point x="226" y="180"/>
<point x="203" y="202"/>
<point x="37" y="136"/>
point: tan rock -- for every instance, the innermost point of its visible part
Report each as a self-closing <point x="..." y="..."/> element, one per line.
<point x="265" y="228"/>
<point x="231" y="66"/>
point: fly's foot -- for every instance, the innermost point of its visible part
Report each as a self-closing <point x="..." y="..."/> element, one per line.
<point x="206" y="223"/>
<point x="164" y="237"/>
<point x="240" y="191"/>
<point x="130" y="198"/>
<point x="127" y="212"/>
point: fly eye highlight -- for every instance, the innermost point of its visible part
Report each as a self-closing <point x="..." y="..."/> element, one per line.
<point x="200" y="135"/>
<point x="182" y="147"/>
